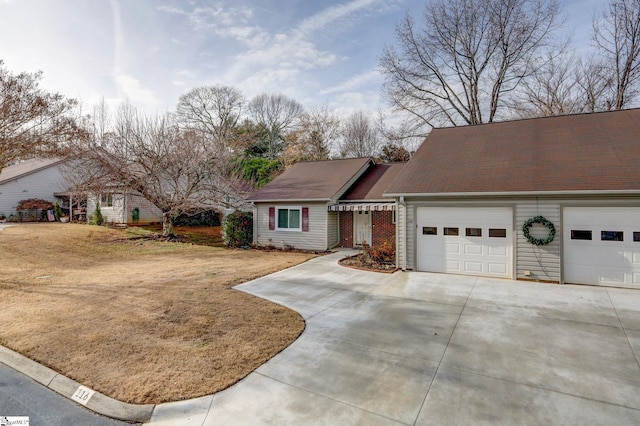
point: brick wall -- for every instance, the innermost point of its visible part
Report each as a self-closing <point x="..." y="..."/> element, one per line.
<point x="346" y="229"/>
<point x="382" y="229"/>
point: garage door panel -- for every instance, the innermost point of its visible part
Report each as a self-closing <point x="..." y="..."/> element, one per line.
<point x="599" y="261"/>
<point x="472" y="251"/>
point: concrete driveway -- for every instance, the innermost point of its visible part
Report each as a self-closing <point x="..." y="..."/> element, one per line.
<point x="420" y="349"/>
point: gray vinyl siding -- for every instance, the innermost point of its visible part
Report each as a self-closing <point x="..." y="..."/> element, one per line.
<point x="401" y="235"/>
<point x="333" y="233"/>
<point x="116" y="213"/>
<point x="41" y="184"/>
<point x="411" y="236"/>
<point x="314" y="239"/>
<point x="543" y="262"/>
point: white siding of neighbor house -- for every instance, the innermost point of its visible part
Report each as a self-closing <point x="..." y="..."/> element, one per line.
<point x="543" y="262"/>
<point x="314" y="239"/>
<point x="40" y="184"/>
<point x="333" y="229"/>
<point x="116" y="213"/>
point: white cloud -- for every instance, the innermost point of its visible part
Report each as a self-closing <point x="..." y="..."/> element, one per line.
<point x="130" y="88"/>
<point x="356" y="82"/>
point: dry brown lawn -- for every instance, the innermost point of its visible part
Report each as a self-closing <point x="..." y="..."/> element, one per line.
<point x="141" y="321"/>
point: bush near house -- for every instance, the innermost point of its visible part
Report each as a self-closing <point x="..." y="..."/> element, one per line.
<point x="33" y="209"/>
<point x="237" y="229"/>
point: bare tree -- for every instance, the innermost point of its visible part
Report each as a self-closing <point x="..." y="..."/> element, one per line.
<point x="468" y="56"/>
<point x="214" y="110"/>
<point x="316" y="134"/>
<point x="360" y="137"/>
<point x="277" y="114"/>
<point x="616" y="34"/>
<point x="175" y="169"/>
<point x="32" y="121"/>
<point x="554" y="90"/>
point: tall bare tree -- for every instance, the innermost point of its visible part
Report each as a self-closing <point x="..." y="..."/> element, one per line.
<point x="177" y="170"/>
<point x="214" y="110"/>
<point x="467" y="56"/>
<point x="616" y="34"/>
<point x="32" y="121"/>
<point x="360" y="137"/>
<point x="277" y="114"/>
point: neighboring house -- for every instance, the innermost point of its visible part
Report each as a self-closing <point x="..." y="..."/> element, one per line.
<point x="309" y="206"/>
<point x="37" y="178"/>
<point x="117" y="206"/>
<point x="44" y="179"/>
<point x="465" y="195"/>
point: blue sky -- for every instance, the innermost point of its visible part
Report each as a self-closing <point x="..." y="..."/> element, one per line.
<point x="321" y="52"/>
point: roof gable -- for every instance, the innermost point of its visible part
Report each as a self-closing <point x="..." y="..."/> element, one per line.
<point x="584" y="152"/>
<point x="313" y="180"/>
<point x="26" y="167"/>
<point x="373" y="183"/>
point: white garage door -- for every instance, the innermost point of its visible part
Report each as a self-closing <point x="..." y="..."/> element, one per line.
<point x="474" y="241"/>
<point x="602" y="246"/>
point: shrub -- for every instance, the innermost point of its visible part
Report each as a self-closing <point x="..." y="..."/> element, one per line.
<point x="383" y="253"/>
<point x="96" y="218"/>
<point x="205" y="218"/>
<point x="57" y="211"/>
<point x="237" y="229"/>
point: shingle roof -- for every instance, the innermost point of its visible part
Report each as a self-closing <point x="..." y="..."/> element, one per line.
<point x="373" y="183"/>
<point x="584" y="152"/>
<point x="313" y="180"/>
<point x="26" y="167"/>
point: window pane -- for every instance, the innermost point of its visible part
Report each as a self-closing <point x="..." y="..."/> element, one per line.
<point x="451" y="231"/>
<point x="612" y="235"/>
<point x="294" y="218"/>
<point x="636" y="236"/>
<point x="473" y="232"/>
<point x="580" y="235"/>
<point x="497" y="233"/>
<point x="429" y="230"/>
<point x="283" y="218"/>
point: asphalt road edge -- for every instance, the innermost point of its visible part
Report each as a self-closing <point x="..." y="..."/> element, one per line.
<point x="67" y="387"/>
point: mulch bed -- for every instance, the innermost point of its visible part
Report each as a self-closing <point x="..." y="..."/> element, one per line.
<point x="359" y="261"/>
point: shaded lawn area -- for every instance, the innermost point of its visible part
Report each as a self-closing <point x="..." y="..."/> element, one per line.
<point x="139" y="320"/>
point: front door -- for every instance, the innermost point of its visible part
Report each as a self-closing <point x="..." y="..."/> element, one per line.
<point x="362" y="227"/>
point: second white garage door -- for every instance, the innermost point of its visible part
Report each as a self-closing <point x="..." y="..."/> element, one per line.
<point x="474" y="241"/>
<point x="602" y="246"/>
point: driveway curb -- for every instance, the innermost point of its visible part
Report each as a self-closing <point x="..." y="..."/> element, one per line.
<point x="67" y="387"/>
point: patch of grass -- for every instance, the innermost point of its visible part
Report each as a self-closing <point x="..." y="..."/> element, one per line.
<point x="140" y="320"/>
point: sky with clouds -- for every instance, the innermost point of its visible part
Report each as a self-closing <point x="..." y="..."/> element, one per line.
<point x="320" y="52"/>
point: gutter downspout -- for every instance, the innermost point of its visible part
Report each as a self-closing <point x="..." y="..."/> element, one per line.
<point x="404" y="228"/>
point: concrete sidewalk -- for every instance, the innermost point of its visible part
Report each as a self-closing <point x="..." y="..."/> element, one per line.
<point x="419" y="348"/>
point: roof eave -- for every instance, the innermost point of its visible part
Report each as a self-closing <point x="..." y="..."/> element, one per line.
<point x="290" y="200"/>
<point x="515" y="193"/>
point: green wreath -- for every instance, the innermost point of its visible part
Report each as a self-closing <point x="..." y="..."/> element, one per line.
<point x="542" y="221"/>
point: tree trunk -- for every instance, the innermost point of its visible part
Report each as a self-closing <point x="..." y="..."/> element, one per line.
<point x="167" y="224"/>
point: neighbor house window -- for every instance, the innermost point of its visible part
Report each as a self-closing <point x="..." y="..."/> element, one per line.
<point x="636" y="236"/>
<point x="106" y="200"/>
<point x="289" y="218"/>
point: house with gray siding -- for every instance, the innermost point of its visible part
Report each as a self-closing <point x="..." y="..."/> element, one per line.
<point x="554" y="199"/>
<point x="35" y="178"/>
<point x="45" y="179"/>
